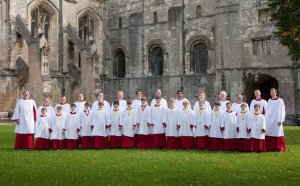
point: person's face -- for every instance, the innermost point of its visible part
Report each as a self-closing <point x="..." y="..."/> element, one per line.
<point x="100" y="97"/>
<point x="158" y="101"/>
<point x="44" y="112"/>
<point x="180" y="95"/>
<point x="158" y="93"/>
<point x="217" y="107"/>
<point x="120" y="95"/>
<point x="256" y="108"/>
<point x="80" y="97"/>
<point x="46" y="101"/>
<point x="101" y="106"/>
<point x="273" y="93"/>
<point x="257" y="94"/>
<point x="63" y="100"/>
<point x="59" y="111"/>
<point x="243" y="108"/>
<point x="73" y="109"/>
<point x="185" y="104"/>
<point x="228" y="107"/>
<point x="222" y="97"/>
<point x="201" y="97"/>
<point x="116" y="107"/>
<point x="87" y="107"/>
<point x="201" y="104"/>
<point x="172" y="103"/>
<point x="129" y="106"/>
<point x="144" y="102"/>
<point x="26" y="95"/>
<point x="139" y="95"/>
<point x="239" y="99"/>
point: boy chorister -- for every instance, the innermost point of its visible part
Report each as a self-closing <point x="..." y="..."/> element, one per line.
<point x="228" y="127"/>
<point x="243" y="124"/>
<point x="86" y="128"/>
<point x="42" y="134"/>
<point x="258" y="128"/>
<point x="128" y="125"/>
<point x="215" y="134"/>
<point x="57" y="129"/>
<point x="186" y="126"/>
<point x="143" y="125"/>
<point x="72" y="128"/>
<point x="100" y="123"/>
<point x="172" y="130"/>
<point x="158" y="123"/>
<point x="115" y="130"/>
<point x="202" y="123"/>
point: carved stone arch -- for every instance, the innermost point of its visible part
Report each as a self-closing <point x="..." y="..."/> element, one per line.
<point x="91" y="12"/>
<point x="191" y="42"/>
<point x="120" y="58"/>
<point x="117" y="47"/>
<point x="48" y="5"/>
<point x="156" y="43"/>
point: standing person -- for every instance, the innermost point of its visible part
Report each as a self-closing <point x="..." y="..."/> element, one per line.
<point x="72" y="128"/>
<point x="80" y="103"/>
<point x="122" y="103"/>
<point x="137" y="102"/>
<point x="95" y="105"/>
<point x="236" y="107"/>
<point x="58" y="129"/>
<point x="50" y="109"/>
<point x="100" y="123"/>
<point x="115" y="130"/>
<point x="179" y="100"/>
<point x="258" y="129"/>
<point x="128" y="126"/>
<point x="275" y="116"/>
<point x="202" y="123"/>
<point x="223" y="100"/>
<point x="172" y="130"/>
<point x="86" y="138"/>
<point x="228" y="127"/>
<point x="143" y="125"/>
<point x="260" y="101"/>
<point x="158" y="123"/>
<point x="243" y="125"/>
<point x="42" y="134"/>
<point x="163" y="102"/>
<point x="25" y="116"/>
<point x="215" y="134"/>
<point x="186" y="125"/>
<point x="202" y="98"/>
<point x="64" y="105"/>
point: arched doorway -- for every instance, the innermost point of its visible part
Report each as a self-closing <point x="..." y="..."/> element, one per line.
<point x="157" y="61"/>
<point x="263" y="82"/>
<point x="120" y="64"/>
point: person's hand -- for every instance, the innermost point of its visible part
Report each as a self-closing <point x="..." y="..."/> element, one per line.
<point x="279" y="124"/>
<point x="165" y="125"/>
<point x="248" y="130"/>
<point x="191" y="127"/>
<point x="222" y="129"/>
<point x="263" y="130"/>
<point x="18" y="122"/>
<point x="206" y="127"/>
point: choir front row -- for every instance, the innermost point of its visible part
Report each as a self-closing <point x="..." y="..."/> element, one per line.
<point x="153" y="127"/>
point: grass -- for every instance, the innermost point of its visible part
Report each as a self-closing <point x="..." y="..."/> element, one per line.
<point x="148" y="167"/>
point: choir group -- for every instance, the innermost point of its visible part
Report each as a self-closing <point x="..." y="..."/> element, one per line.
<point x="135" y="124"/>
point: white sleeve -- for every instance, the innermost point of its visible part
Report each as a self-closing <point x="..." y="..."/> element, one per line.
<point x="16" y="114"/>
<point x="281" y="110"/>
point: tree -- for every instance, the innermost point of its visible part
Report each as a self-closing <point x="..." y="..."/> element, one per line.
<point x="287" y="21"/>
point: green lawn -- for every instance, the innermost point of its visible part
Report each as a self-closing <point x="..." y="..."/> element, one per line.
<point x="148" y="167"/>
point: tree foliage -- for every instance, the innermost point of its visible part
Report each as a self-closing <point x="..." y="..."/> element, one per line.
<point x="287" y="21"/>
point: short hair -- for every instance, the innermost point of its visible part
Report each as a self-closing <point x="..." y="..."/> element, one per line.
<point x="185" y="101"/>
<point x="116" y="102"/>
<point x="129" y="102"/>
<point x="137" y="91"/>
<point x="73" y="105"/>
<point x="273" y="89"/>
<point x="179" y="91"/>
<point x="257" y="105"/>
<point x="44" y="109"/>
<point x="144" y="98"/>
<point x="59" y="107"/>
<point x="172" y="99"/>
<point x="217" y="103"/>
<point x="257" y="90"/>
<point x="228" y="103"/>
<point x="100" y="103"/>
<point x="223" y="92"/>
<point x="244" y="104"/>
<point x="87" y="104"/>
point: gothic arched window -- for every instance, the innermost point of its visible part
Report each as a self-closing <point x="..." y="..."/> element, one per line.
<point x="199" y="58"/>
<point x="120" y="64"/>
<point x="86" y="28"/>
<point x="40" y="22"/>
<point x="157" y="61"/>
